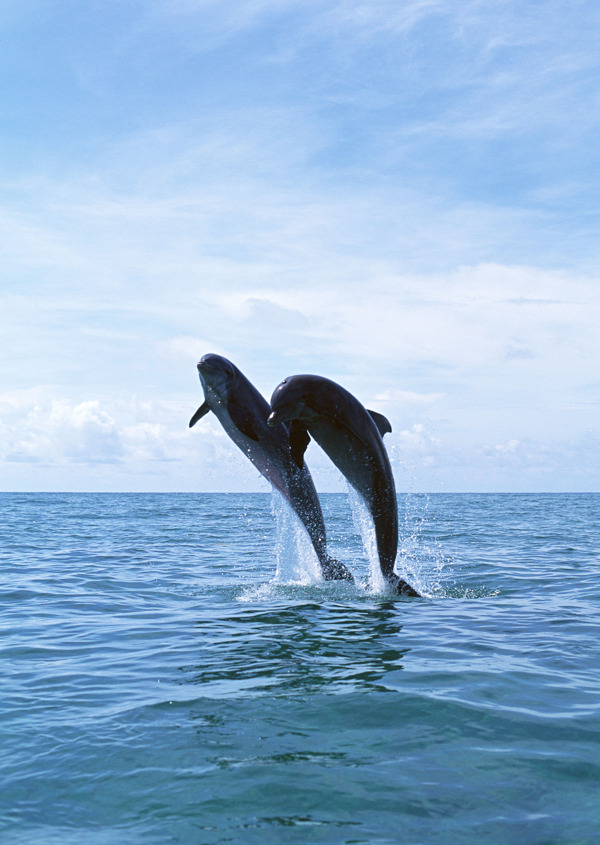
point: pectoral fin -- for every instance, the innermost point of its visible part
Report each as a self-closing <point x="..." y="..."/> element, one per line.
<point x="202" y="410"/>
<point x="243" y="420"/>
<point x="382" y="423"/>
<point x="299" y="440"/>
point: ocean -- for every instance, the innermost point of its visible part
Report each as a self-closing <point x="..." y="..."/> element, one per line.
<point x="173" y="671"/>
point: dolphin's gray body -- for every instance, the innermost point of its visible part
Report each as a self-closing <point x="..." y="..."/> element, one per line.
<point x="243" y="413"/>
<point x="353" y="439"/>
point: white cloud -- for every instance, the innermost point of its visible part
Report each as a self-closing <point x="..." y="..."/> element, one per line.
<point x="53" y="443"/>
<point x="56" y="430"/>
<point x="417" y="442"/>
<point x="120" y="445"/>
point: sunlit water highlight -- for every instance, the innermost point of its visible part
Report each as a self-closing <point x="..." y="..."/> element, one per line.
<point x="174" y="670"/>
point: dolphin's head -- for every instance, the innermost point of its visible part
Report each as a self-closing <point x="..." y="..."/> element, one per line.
<point x="216" y="374"/>
<point x="289" y="401"/>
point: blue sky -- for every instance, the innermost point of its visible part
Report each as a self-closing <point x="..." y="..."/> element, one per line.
<point x="401" y="196"/>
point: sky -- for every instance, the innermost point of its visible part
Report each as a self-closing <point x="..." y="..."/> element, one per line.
<point x="399" y="195"/>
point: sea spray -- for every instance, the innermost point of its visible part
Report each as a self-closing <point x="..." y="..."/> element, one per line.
<point x="363" y="524"/>
<point x="295" y="556"/>
<point x="420" y="559"/>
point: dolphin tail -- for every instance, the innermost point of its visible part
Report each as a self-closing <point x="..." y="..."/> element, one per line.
<point x="335" y="570"/>
<point x="400" y="587"/>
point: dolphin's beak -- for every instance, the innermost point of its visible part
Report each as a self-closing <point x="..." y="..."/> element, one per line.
<point x="272" y="420"/>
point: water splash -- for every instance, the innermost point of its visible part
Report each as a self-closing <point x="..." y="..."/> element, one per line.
<point x="363" y="524"/>
<point x="295" y="556"/>
<point x="421" y="560"/>
<point x="256" y="593"/>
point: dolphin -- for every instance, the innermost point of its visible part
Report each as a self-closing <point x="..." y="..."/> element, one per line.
<point x="243" y="412"/>
<point x="352" y="436"/>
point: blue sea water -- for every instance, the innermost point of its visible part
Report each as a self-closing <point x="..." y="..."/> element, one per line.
<point x="174" y="671"/>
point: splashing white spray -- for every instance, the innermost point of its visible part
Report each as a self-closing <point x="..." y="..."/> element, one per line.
<point x="422" y="560"/>
<point x="296" y="558"/>
<point x="363" y="523"/>
<point x="419" y="563"/>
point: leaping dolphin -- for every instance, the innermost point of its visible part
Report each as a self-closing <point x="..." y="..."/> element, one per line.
<point x="352" y="436"/>
<point x="243" y="412"/>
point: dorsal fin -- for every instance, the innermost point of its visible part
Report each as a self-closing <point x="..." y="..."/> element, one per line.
<point x="202" y="410"/>
<point x="383" y="424"/>
<point x="299" y="440"/>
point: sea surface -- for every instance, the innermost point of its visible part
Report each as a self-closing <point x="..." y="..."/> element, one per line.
<point x="174" y="671"/>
